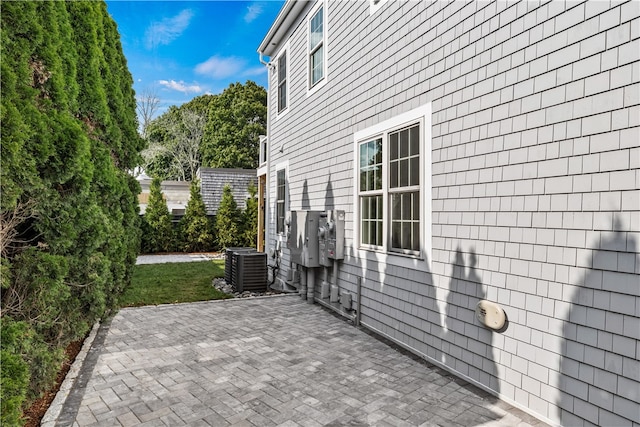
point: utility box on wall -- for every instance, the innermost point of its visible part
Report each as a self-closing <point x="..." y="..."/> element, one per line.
<point x="302" y="238"/>
<point x="335" y="242"/>
<point x="331" y="237"/>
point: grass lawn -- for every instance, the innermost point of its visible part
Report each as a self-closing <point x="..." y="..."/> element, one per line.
<point x="173" y="283"/>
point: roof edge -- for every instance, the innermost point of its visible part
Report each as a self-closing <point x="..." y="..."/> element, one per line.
<point x="287" y="16"/>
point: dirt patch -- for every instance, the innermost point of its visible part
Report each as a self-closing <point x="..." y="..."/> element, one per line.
<point x="36" y="411"/>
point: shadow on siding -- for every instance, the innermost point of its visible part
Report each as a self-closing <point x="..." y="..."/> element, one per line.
<point x="599" y="378"/>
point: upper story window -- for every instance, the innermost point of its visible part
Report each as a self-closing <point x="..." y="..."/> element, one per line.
<point x="393" y="190"/>
<point x="283" y="94"/>
<point x="317" y="53"/>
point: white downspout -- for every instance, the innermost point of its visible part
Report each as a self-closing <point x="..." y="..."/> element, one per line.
<point x="267" y="229"/>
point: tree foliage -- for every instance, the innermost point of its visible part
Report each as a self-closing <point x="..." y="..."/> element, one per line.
<point x="195" y="230"/>
<point x="160" y="236"/>
<point x="219" y="131"/>
<point x="228" y="220"/>
<point x="68" y="212"/>
<point x="237" y="118"/>
<point x="174" y="144"/>
<point x="250" y="219"/>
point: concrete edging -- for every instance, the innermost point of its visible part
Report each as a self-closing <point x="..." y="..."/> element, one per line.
<point x="51" y="416"/>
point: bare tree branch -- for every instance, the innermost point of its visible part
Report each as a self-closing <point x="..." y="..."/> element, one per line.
<point x="147" y="107"/>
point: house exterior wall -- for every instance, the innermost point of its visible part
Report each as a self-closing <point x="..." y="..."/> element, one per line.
<point x="534" y="196"/>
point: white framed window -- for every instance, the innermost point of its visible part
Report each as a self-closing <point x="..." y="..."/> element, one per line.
<point x="317" y="46"/>
<point x="393" y="203"/>
<point x="281" y="197"/>
<point x="282" y="76"/>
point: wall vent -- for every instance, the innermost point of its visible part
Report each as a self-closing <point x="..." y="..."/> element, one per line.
<point x="491" y="315"/>
<point x="249" y="271"/>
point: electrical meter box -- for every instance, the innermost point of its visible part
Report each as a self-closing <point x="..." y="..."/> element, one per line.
<point x="323" y="244"/>
<point x="331" y="237"/>
<point x="302" y="238"/>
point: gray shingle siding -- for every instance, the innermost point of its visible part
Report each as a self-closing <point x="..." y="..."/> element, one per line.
<point x="535" y="156"/>
<point x="213" y="180"/>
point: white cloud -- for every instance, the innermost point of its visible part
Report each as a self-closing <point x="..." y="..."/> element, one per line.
<point x="253" y="12"/>
<point x="180" y="86"/>
<point x="220" y="68"/>
<point x="167" y="30"/>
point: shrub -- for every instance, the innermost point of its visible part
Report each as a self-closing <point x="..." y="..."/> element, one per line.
<point x="227" y="220"/>
<point x="250" y="219"/>
<point x="157" y="216"/>
<point x="195" y="230"/>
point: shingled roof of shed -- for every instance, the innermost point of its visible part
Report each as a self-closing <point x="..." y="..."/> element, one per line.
<point x="213" y="180"/>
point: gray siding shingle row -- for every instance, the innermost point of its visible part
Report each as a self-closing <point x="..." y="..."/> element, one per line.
<point x="535" y="188"/>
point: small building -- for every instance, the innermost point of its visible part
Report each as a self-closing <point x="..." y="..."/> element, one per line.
<point x="213" y="180"/>
<point x="176" y="194"/>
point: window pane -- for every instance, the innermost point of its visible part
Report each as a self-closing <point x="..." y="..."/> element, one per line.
<point x="414" y="170"/>
<point x="373" y="233"/>
<point x="406" y="206"/>
<point x="379" y="206"/>
<point x="378" y="180"/>
<point x="393" y="146"/>
<point x="363" y="181"/>
<point x="371" y="179"/>
<point x="371" y="153"/>
<point x="316" y="29"/>
<point x="373" y="207"/>
<point x="404" y="173"/>
<point x="414" y="138"/>
<point x="378" y="148"/>
<point x="393" y="174"/>
<point x="280" y="217"/>
<point x="395" y="235"/>
<point x="404" y="143"/>
<point x="416" y="237"/>
<point x="379" y="242"/>
<point x="396" y="207"/>
<point x="365" y="207"/>
<point x="282" y="68"/>
<point x="316" y="66"/>
<point x="282" y="96"/>
<point x="365" y="233"/>
<point x="363" y="155"/>
<point x="416" y="206"/>
<point x="406" y="235"/>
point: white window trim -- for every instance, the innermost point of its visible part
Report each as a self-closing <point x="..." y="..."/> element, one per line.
<point x="312" y="89"/>
<point x="374" y="7"/>
<point x="281" y="166"/>
<point x="287" y="51"/>
<point x="422" y="114"/>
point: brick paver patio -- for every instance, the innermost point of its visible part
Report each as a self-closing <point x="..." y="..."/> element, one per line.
<point x="264" y="362"/>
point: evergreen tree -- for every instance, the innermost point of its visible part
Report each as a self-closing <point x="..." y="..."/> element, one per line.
<point x="68" y="206"/>
<point x="195" y="230"/>
<point x="250" y="218"/>
<point x="158" y="218"/>
<point x="227" y="220"/>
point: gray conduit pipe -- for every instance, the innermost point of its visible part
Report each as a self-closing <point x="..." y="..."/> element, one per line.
<point x="303" y="283"/>
<point x="311" y="279"/>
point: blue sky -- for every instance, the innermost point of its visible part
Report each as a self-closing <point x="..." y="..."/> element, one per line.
<point x="182" y="49"/>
